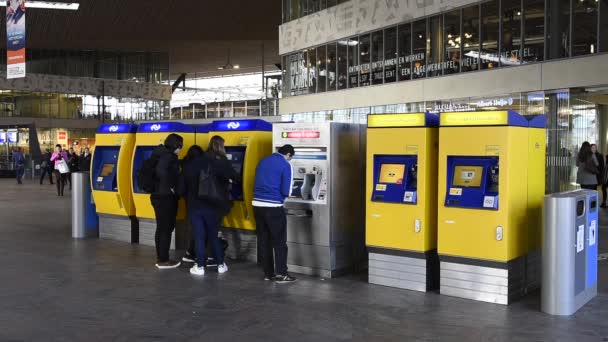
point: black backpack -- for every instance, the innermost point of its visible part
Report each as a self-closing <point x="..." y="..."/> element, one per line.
<point x="146" y="176"/>
<point x="210" y="189"/>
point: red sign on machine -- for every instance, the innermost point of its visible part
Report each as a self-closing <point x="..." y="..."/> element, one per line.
<point x="302" y="135"/>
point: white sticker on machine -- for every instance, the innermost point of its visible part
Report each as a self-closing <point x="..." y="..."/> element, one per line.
<point x="408" y="197"/>
<point x="488" y="201"/>
<point x="592" y="232"/>
<point x="580" y="238"/>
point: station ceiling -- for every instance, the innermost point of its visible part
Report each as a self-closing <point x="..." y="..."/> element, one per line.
<point x="196" y="33"/>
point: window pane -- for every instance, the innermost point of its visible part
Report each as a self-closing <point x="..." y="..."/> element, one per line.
<point x="434" y="46"/>
<point x="584" y="22"/>
<point x="353" y="62"/>
<point x="534" y="31"/>
<point x="558" y="28"/>
<point x="331" y="67"/>
<point x="286" y="9"/>
<point x="511" y="32"/>
<point x="322" y="68"/>
<point x="470" y="37"/>
<point x="405" y="52"/>
<point x="390" y="54"/>
<point x="452" y="42"/>
<point x="312" y="71"/>
<point x="315" y="6"/>
<point x="331" y="3"/>
<point x="419" y="49"/>
<point x="342" y="65"/>
<point x="364" y="60"/>
<point x="603" y="25"/>
<point x="377" y="57"/>
<point x="298" y="73"/>
<point x="489" y="38"/>
<point x="294" y="9"/>
<point x="304" y="7"/>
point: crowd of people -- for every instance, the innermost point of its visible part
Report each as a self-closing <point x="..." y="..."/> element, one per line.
<point x="60" y="164"/>
<point x="204" y="179"/>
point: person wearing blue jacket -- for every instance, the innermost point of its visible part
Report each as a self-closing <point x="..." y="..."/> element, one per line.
<point x="273" y="183"/>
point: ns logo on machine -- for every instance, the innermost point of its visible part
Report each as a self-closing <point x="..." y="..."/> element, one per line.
<point x="113" y="128"/>
<point x="155" y="128"/>
<point x="233" y="125"/>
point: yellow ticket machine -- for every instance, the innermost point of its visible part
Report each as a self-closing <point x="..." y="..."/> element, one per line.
<point x="246" y="143"/>
<point x="202" y="135"/>
<point x="401" y="197"/>
<point x="491" y="186"/>
<point x="111" y="181"/>
<point x="149" y="136"/>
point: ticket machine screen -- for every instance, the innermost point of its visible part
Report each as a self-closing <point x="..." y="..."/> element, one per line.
<point x="104" y="168"/>
<point x="472" y="182"/>
<point x="395" y="179"/>
<point x="141" y="154"/>
<point x="236" y="156"/>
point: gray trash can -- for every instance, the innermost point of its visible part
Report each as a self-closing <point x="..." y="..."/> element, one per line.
<point x="84" y="218"/>
<point x="569" y="252"/>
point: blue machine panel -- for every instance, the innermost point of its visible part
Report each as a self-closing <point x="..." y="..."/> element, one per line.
<point x="163" y="127"/>
<point x="241" y="125"/>
<point x="203" y="128"/>
<point x="141" y="153"/>
<point x="105" y="168"/>
<point x="592" y="239"/>
<point x="236" y="156"/>
<point x="472" y="182"/>
<point x="117" y="129"/>
<point x="395" y="179"/>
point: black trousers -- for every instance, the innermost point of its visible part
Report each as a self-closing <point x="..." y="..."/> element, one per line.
<point x="46" y="171"/>
<point x="271" y="227"/>
<point x="60" y="179"/>
<point x="165" y="210"/>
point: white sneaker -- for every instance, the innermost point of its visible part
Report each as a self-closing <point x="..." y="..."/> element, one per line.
<point x="199" y="271"/>
<point x="223" y="268"/>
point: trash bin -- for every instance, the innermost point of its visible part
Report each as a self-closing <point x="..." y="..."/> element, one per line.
<point x="84" y="217"/>
<point x="569" y="252"/>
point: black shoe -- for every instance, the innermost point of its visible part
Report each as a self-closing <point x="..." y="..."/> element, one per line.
<point x="269" y="278"/>
<point x="188" y="258"/>
<point x="284" y="279"/>
<point x="168" y="264"/>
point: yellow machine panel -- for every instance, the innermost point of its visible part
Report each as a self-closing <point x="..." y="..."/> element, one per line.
<point x="393" y="220"/>
<point x="149" y="136"/>
<point x="110" y="167"/>
<point x="246" y="142"/>
<point x="490" y="187"/>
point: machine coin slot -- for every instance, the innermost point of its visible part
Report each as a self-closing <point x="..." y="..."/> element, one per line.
<point x="580" y="208"/>
<point x="299" y="212"/>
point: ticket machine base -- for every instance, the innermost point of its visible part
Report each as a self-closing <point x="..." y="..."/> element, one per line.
<point x="117" y="228"/>
<point x="147" y="230"/>
<point x="242" y="244"/>
<point x="488" y="281"/>
<point x="416" y="271"/>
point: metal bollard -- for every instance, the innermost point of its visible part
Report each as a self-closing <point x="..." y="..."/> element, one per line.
<point x="569" y="261"/>
<point x="80" y="191"/>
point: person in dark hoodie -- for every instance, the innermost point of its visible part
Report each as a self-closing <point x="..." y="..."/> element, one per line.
<point x="205" y="216"/>
<point x="164" y="198"/>
<point x="84" y="162"/>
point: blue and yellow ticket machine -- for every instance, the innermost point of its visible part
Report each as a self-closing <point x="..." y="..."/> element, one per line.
<point x="401" y="196"/>
<point x="246" y="143"/>
<point x="202" y="135"/>
<point x="491" y="187"/>
<point x="111" y="181"/>
<point x="149" y="136"/>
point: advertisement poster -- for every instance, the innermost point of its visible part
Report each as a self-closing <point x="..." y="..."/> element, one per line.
<point x="15" y="38"/>
<point x="62" y="138"/>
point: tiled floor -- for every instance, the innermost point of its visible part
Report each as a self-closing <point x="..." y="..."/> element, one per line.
<point x="53" y="288"/>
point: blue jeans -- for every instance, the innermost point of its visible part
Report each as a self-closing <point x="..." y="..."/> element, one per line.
<point x="205" y="226"/>
<point x="20" y="172"/>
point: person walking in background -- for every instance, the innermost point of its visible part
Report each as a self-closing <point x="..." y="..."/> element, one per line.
<point x="164" y="198"/>
<point x="72" y="164"/>
<point x="587" y="164"/>
<point x="60" y="158"/>
<point x="84" y="161"/>
<point x="19" y="164"/>
<point x="597" y="156"/>
<point x="273" y="183"/>
<point x="46" y="167"/>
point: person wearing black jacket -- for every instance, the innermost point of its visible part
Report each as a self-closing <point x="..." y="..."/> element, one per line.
<point x="46" y="167"/>
<point x="205" y="217"/>
<point x="84" y="162"/>
<point x="164" y="198"/>
<point x="601" y="166"/>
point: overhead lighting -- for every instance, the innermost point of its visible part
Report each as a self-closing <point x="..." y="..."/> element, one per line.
<point x="228" y="65"/>
<point x="70" y="6"/>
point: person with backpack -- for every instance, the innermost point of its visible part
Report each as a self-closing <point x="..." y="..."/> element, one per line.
<point x="273" y="183"/>
<point x="207" y="181"/>
<point x="163" y="168"/>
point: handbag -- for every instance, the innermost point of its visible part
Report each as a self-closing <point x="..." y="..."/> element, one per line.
<point x="62" y="167"/>
<point x="209" y="188"/>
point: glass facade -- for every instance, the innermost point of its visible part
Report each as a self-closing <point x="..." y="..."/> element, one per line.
<point x="294" y="9"/>
<point x="488" y="35"/>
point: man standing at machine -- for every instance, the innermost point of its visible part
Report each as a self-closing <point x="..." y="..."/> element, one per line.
<point x="273" y="183"/>
<point x="164" y="197"/>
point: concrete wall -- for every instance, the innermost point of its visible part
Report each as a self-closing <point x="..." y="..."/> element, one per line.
<point x="570" y="73"/>
<point x="354" y="17"/>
